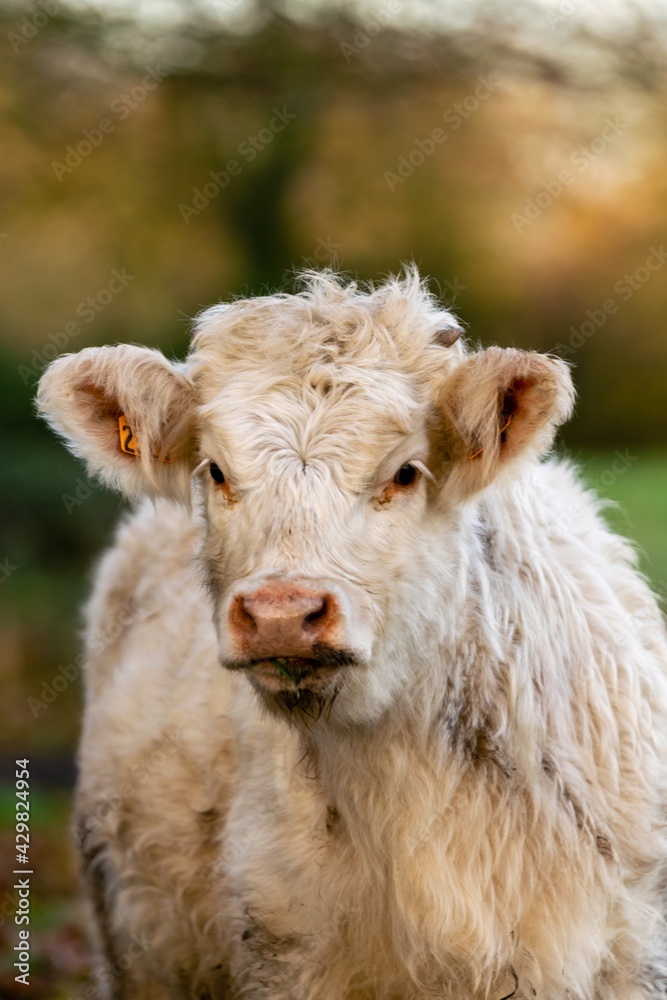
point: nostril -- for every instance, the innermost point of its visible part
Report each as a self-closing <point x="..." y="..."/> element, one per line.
<point x="322" y="612"/>
<point x="287" y="618"/>
<point x="242" y="617"/>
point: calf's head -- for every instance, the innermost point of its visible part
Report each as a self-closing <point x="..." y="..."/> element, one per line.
<point x="329" y="441"/>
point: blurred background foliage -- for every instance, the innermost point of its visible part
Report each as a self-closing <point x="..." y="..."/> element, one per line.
<point x="515" y="152"/>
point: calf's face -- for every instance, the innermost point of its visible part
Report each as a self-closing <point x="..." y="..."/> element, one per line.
<point x="327" y="444"/>
<point x="314" y="488"/>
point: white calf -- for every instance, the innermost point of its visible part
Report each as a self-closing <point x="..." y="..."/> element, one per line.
<point x="385" y="716"/>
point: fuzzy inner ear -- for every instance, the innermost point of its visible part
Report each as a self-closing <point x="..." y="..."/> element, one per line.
<point x="499" y="406"/>
<point x="128" y="412"/>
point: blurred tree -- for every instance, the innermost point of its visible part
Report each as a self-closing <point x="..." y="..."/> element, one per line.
<point x="436" y="132"/>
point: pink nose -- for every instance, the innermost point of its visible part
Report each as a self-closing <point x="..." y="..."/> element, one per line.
<point x="282" y="619"/>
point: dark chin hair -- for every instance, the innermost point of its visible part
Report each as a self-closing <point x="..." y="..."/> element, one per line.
<point x="330" y="657"/>
<point x="309" y="707"/>
<point x="326" y="656"/>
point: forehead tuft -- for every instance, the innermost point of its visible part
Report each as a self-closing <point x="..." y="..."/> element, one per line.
<point x="327" y="331"/>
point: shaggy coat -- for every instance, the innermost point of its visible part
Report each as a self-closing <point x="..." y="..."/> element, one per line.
<point x="460" y="791"/>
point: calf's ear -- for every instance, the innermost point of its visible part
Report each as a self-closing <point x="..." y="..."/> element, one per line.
<point x="128" y="412"/>
<point x="498" y="407"/>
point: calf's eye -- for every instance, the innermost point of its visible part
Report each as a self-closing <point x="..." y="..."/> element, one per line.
<point x="406" y="475"/>
<point x="217" y="474"/>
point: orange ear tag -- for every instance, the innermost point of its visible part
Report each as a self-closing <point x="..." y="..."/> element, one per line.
<point x="129" y="442"/>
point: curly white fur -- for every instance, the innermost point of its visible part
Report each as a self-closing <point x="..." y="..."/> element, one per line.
<point x="480" y="810"/>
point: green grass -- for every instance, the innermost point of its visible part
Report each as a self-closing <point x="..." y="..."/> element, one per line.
<point x="639" y="493"/>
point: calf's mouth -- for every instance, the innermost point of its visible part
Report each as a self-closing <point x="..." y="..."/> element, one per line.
<point x="314" y="673"/>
